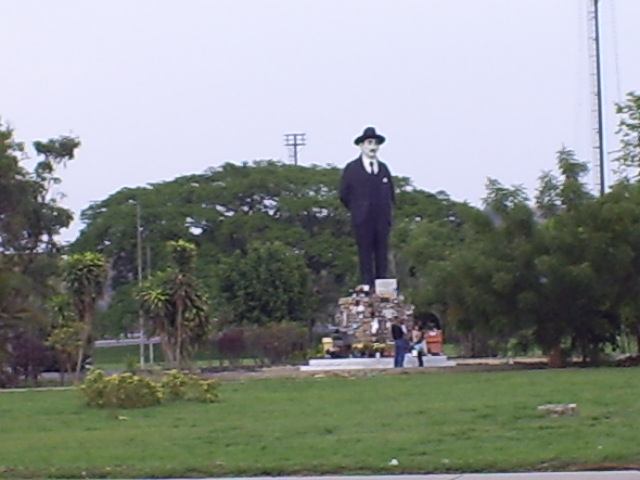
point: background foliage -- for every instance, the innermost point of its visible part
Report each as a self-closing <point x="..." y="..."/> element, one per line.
<point x="556" y="271"/>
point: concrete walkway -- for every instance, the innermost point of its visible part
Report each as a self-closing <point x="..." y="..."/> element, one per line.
<point x="619" y="475"/>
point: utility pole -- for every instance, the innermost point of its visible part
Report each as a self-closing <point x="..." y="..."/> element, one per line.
<point x="139" y="260"/>
<point x="149" y="340"/>
<point x="596" y="77"/>
<point x="293" y="141"/>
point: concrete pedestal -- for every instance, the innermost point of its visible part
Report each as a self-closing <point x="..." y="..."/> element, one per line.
<point x="374" y="363"/>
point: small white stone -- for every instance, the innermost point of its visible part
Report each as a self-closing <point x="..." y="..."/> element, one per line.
<point x="394" y="461"/>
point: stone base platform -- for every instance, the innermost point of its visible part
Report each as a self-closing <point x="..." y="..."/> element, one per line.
<point x="431" y="361"/>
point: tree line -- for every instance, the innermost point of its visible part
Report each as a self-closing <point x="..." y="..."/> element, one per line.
<point x="264" y="242"/>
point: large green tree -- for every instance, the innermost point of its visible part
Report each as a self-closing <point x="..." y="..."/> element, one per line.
<point x="463" y="267"/>
<point x="30" y="213"/>
<point x="224" y="210"/>
<point x="552" y="275"/>
<point x="618" y="216"/>
<point x="628" y="155"/>
<point x="31" y="217"/>
<point x="623" y="200"/>
<point x="270" y="282"/>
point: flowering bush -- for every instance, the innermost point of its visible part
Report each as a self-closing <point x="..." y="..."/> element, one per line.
<point x="127" y="390"/>
<point x="369" y="349"/>
<point x="179" y="386"/>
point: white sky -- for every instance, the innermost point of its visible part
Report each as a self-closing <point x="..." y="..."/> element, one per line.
<point x="462" y="89"/>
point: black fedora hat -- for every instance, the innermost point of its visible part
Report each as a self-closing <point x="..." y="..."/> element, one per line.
<point x="369" y="132"/>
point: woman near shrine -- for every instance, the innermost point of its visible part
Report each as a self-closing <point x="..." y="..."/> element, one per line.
<point x="417" y="342"/>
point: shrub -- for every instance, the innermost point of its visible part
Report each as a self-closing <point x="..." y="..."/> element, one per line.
<point x="131" y="364"/>
<point x="274" y="343"/>
<point x="124" y="390"/>
<point x="179" y="386"/>
<point x="7" y="378"/>
<point x="283" y="342"/>
<point x="29" y="356"/>
<point x="231" y="343"/>
<point x="65" y="343"/>
<point x="127" y="390"/>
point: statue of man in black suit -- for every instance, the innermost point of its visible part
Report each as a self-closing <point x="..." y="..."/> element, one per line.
<point x="366" y="189"/>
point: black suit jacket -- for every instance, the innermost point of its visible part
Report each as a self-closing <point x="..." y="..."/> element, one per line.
<point x="363" y="193"/>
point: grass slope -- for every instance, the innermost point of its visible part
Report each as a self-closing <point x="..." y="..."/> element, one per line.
<point x="431" y="422"/>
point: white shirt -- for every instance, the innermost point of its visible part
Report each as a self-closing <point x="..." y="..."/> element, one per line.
<point x="367" y="164"/>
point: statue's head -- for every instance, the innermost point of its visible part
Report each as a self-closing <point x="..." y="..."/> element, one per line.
<point x="369" y="142"/>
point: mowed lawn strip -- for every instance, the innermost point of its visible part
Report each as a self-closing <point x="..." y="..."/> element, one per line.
<point x="430" y="422"/>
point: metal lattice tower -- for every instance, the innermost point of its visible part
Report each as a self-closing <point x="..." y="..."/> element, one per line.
<point x="598" y="161"/>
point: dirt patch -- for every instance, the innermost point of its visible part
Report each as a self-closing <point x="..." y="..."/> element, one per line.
<point x="293" y="371"/>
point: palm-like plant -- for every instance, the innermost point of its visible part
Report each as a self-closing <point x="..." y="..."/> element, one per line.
<point x="85" y="275"/>
<point x="173" y="301"/>
<point x="183" y="256"/>
<point x="64" y="333"/>
<point x="155" y="303"/>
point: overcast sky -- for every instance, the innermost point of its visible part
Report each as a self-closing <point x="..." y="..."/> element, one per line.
<point x="462" y="89"/>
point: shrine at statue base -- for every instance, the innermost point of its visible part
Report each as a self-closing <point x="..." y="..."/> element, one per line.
<point x="361" y="335"/>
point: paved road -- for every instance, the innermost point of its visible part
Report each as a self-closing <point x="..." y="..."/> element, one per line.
<point x="625" y="475"/>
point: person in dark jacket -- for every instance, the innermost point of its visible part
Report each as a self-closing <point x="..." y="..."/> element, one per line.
<point x="398" y="332"/>
<point x="367" y="190"/>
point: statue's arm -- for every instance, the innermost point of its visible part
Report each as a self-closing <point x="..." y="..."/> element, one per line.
<point x="391" y="184"/>
<point x="345" y="187"/>
<point x="393" y="190"/>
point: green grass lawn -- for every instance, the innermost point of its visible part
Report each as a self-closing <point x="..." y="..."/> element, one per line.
<point x="117" y="358"/>
<point x="437" y="421"/>
<point x="121" y="357"/>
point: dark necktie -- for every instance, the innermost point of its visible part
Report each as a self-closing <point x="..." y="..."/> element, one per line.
<point x="371" y="167"/>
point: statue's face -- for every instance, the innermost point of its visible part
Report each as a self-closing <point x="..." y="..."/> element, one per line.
<point x="369" y="148"/>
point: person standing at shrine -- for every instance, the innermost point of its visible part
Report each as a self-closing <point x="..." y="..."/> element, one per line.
<point x="398" y="332"/>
